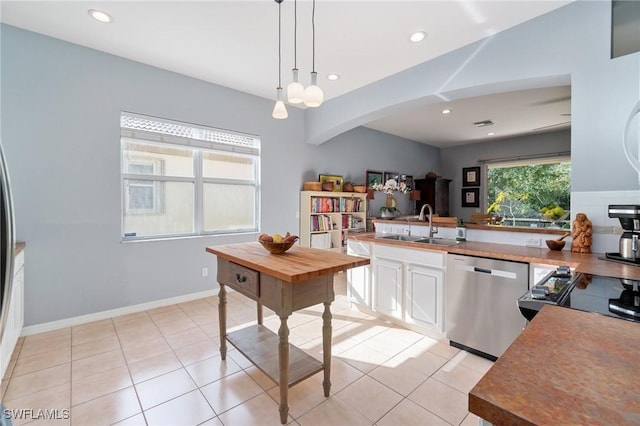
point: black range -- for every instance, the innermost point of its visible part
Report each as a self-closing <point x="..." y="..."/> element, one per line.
<point x="614" y="297"/>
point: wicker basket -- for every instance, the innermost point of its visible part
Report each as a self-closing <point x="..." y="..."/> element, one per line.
<point x="359" y="188"/>
<point x="312" y="186"/>
<point x="276" y="248"/>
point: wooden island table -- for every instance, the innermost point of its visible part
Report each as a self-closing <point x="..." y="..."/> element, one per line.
<point x="284" y="283"/>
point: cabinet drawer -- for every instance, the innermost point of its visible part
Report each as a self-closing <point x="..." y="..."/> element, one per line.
<point x="244" y="279"/>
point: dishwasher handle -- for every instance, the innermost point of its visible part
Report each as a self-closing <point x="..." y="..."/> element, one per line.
<point x="483" y="270"/>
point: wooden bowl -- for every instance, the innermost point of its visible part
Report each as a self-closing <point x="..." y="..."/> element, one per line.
<point x="312" y="186"/>
<point x="555" y="244"/>
<point x="327" y="186"/>
<point x="276" y="248"/>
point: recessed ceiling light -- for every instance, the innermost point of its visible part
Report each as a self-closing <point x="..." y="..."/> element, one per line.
<point x="491" y="133"/>
<point x="333" y="77"/>
<point x="100" y="16"/>
<point x="417" y="37"/>
<point x="446" y="111"/>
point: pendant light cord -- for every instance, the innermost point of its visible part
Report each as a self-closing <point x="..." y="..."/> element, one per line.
<point x="279" y="45"/>
<point x="295" y="34"/>
<point x="313" y="36"/>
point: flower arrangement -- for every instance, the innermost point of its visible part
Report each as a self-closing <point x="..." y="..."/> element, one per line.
<point x="391" y="186"/>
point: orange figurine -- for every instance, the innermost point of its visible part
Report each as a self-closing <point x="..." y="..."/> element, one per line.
<point x="582" y="234"/>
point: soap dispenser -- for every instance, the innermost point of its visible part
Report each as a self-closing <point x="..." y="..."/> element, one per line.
<point x="461" y="231"/>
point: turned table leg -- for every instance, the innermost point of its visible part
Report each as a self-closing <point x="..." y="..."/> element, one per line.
<point x="259" y="308"/>
<point x="222" y="319"/>
<point x="283" y="357"/>
<point x="326" y="347"/>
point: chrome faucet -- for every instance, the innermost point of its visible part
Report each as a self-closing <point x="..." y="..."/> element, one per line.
<point x="422" y="218"/>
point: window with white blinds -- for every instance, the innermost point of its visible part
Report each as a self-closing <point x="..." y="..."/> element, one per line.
<point x="180" y="179"/>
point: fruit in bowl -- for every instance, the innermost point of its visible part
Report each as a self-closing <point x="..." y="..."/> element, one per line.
<point x="554" y="212"/>
<point x="277" y="243"/>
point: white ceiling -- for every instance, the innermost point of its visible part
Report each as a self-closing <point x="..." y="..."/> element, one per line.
<point x="234" y="44"/>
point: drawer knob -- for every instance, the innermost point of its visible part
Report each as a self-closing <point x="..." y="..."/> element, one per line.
<point x="240" y="278"/>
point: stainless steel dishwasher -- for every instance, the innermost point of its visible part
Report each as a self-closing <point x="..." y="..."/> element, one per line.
<point x="481" y="311"/>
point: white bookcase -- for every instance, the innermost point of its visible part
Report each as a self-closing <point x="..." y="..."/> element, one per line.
<point x="327" y="217"/>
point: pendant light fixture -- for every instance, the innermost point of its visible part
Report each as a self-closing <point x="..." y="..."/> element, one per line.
<point x="313" y="95"/>
<point x="279" y="110"/>
<point x="295" y="90"/>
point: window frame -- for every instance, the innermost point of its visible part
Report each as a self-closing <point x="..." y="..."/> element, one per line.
<point x="198" y="146"/>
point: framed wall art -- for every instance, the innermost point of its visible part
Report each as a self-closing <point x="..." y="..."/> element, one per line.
<point x="337" y="181"/>
<point x="408" y="179"/>
<point x="471" y="176"/>
<point x="373" y="177"/>
<point x="391" y="175"/>
<point x="470" y="197"/>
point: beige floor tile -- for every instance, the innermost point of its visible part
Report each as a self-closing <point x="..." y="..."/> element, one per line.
<point x="303" y="396"/>
<point x="470" y="420"/>
<point x="230" y="391"/>
<point x="168" y="315"/>
<point x="185" y="338"/>
<point x="137" y="420"/>
<point x="55" y="398"/>
<point x="39" y="345"/>
<point x="409" y="413"/>
<point x="29" y="364"/>
<point x="333" y="411"/>
<point x="89" y="366"/>
<point x="95" y="347"/>
<point x="212" y="329"/>
<point x="342" y="375"/>
<point x="260" y="410"/>
<point x="107" y="409"/>
<point x="212" y="422"/>
<point x="363" y="358"/>
<point x="189" y="409"/>
<point x="418" y="358"/>
<point x="474" y="362"/>
<point x="154" y="366"/>
<point x="238" y="358"/>
<point x="136" y="335"/>
<point x="134" y="323"/>
<point x="163" y="388"/>
<point x="212" y="369"/>
<point x="92" y="331"/>
<point x="173" y="327"/>
<point x="132" y="316"/>
<point x="401" y="378"/>
<point x="161" y="309"/>
<point x="260" y="378"/>
<point x="137" y="351"/>
<point x="457" y="376"/>
<point x="371" y="398"/>
<point x="40" y="380"/>
<point x="198" y="351"/>
<point x="442" y="400"/>
<point x="99" y="384"/>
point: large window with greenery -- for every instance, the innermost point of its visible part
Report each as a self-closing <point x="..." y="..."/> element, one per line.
<point x="180" y="179"/>
<point x="531" y="193"/>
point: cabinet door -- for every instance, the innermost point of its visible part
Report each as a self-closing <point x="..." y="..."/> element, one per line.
<point x="387" y="279"/>
<point x="424" y="296"/>
<point x="359" y="279"/>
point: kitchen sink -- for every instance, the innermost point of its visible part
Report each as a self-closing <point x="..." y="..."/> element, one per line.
<point x="401" y="237"/>
<point x="437" y="241"/>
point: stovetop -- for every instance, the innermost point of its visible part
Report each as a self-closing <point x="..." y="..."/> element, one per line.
<point x="618" y="258"/>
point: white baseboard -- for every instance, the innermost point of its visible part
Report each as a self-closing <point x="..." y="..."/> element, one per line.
<point x="83" y="319"/>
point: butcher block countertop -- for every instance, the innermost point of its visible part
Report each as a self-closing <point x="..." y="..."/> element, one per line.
<point x="297" y="264"/>
<point x="586" y="263"/>
<point x="567" y="367"/>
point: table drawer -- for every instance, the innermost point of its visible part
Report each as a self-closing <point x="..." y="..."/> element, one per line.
<point x="244" y="279"/>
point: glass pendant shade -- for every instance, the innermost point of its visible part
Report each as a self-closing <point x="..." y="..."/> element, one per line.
<point x="313" y="96"/>
<point x="280" y="110"/>
<point x="295" y="90"/>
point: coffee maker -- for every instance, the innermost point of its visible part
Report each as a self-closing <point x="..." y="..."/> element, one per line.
<point x="629" y="216"/>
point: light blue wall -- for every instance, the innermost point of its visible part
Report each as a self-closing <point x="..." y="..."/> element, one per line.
<point x="569" y="45"/>
<point x="455" y="158"/>
<point x="61" y="105"/>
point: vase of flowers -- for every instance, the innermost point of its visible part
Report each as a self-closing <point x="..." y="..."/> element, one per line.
<point x="389" y="187"/>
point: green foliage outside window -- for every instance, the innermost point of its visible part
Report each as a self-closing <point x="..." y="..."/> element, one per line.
<point x="529" y="190"/>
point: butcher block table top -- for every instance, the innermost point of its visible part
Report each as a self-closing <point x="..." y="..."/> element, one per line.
<point x="568" y="367"/>
<point x="297" y="264"/>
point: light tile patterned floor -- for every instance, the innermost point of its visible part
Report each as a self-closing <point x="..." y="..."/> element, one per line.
<point x="162" y="367"/>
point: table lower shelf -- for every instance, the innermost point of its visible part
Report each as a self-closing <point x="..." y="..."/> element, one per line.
<point x="260" y="346"/>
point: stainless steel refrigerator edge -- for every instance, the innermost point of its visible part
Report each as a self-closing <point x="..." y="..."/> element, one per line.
<point x="7" y="243"/>
<point x="481" y="314"/>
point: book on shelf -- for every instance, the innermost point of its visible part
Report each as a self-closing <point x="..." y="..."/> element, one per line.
<point x="321" y="223"/>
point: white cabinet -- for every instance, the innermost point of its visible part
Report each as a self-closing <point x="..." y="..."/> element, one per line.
<point x="359" y="279"/>
<point x="387" y="287"/>
<point x="408" y="285"/>
<point x="424" y="287"/>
